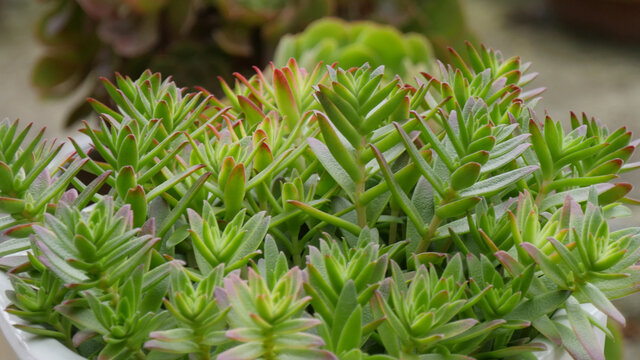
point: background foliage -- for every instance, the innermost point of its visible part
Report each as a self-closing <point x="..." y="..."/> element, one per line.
<point x="327" y="213"/>
<point x="198" y="40"/>
<point x="352" y="44"/>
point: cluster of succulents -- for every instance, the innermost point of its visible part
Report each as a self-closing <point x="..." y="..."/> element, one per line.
<point x="333" y="40"/>
<point x="198" y="40"/>
<point x="322" y="214"/>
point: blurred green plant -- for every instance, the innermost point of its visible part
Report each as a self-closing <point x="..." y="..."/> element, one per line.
<point x="324" y="213"/>
<point x="197" y="40"/>
<point x="353" y="44"/>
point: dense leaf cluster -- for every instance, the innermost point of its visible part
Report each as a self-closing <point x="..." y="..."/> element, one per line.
<point x="328" y="213"/>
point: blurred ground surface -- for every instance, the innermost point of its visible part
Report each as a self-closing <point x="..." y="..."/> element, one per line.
<point x="581" y="73"/>
<point x="18" y="53"/>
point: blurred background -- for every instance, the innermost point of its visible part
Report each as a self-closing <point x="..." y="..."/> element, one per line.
<point x="52" y="52"/>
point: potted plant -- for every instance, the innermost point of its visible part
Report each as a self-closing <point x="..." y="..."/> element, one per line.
<point x="322" y="214"/>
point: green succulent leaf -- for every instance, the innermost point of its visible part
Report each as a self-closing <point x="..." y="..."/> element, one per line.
<point x="498" y="182"/>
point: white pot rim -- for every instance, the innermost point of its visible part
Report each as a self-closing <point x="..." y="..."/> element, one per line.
<point x="25" y="345"/>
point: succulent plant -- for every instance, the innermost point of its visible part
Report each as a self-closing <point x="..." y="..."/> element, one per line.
<point x="329" y="213"/>
<point x="197" y="313"/>
<point x="353" y="44"/>
<point x="267" y="321"/>
<point x="196" y="41"/>
<point x="30" y="179"/>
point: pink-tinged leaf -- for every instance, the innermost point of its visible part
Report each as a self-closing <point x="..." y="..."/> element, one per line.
<point x="149" y="227"/>
<point x="551" y="270"/>
<point x="547" y="327"/>
<point x="8" y="263"/>
<point x="83" y="335"/>
<point x="173" y="347"/>
<point x="248" y="351"/>
<point x="19" y="231"/>
<point x="566" y="255"/>
<point x="454" y="328"/>
<point x="125" y="213"/>
<point x="69" y="197"/>
<point x="172" y="335"/>
<point x="579" y="195"/>
<point x="609" y="167"/>
<point x="512" y="265"/>
<point x="583" y="329"/>
<point x="516" y="324"/>
<point x="285" y="99"/>
<point x="245" y="334"/>
<point x="253" y="114"/>
<point x="263" y="158"/>
<point x="614" y="194"/>
<point x="300" y="340"/>
<point x="599" y="300"/>
<point x="571" y="343"/>
<point x="528" y="95"/>
<point x="61" y="268"/>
